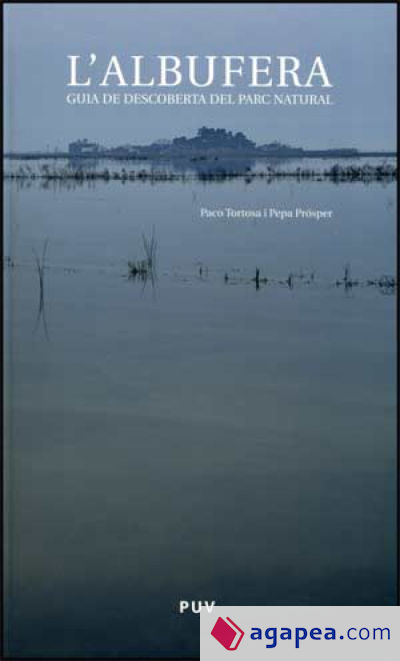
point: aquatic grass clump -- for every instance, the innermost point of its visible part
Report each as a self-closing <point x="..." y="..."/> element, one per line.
<point x="138" y="268"/>
<point x="259" y="280"/>
<point x="144" y="268"/>
<point x="386" y="284"/>
<point x="348" y="282"/>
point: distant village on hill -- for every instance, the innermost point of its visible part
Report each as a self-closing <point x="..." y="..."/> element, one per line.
<point x="209" y="143"/>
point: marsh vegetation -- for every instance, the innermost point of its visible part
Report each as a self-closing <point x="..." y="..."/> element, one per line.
<point x="215" y="173"/>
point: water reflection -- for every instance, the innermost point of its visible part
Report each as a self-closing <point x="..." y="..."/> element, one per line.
<point x="204" y="169"/>
<point x="215" y="443"/>
<point x="40" y="270"/>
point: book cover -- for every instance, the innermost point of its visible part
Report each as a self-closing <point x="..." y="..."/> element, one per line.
<point x="200" y="286"/>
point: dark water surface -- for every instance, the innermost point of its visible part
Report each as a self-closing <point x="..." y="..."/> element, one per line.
<point x="199" y="440"/>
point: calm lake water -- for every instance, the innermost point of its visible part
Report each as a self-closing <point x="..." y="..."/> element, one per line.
<point x="198" y="439"/>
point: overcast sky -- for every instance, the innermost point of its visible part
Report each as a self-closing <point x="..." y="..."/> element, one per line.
<point x="356" y="41"/>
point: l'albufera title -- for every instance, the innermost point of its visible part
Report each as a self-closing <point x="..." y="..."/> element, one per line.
<point x="169" y="71"/>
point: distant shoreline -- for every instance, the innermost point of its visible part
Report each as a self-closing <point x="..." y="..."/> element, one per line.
<point x="195" y="156"/>
<point x="213" y="172"/>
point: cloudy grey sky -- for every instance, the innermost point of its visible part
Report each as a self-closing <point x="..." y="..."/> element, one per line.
<point x="356" y="41"/>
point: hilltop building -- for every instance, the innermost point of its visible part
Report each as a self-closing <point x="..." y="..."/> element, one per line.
<point x="214" y="140"/>
<point x="83" y="148"/>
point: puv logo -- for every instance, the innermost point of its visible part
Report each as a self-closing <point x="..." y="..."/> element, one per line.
<point x="227" y="633"/>
<point x="196" y="606"/>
